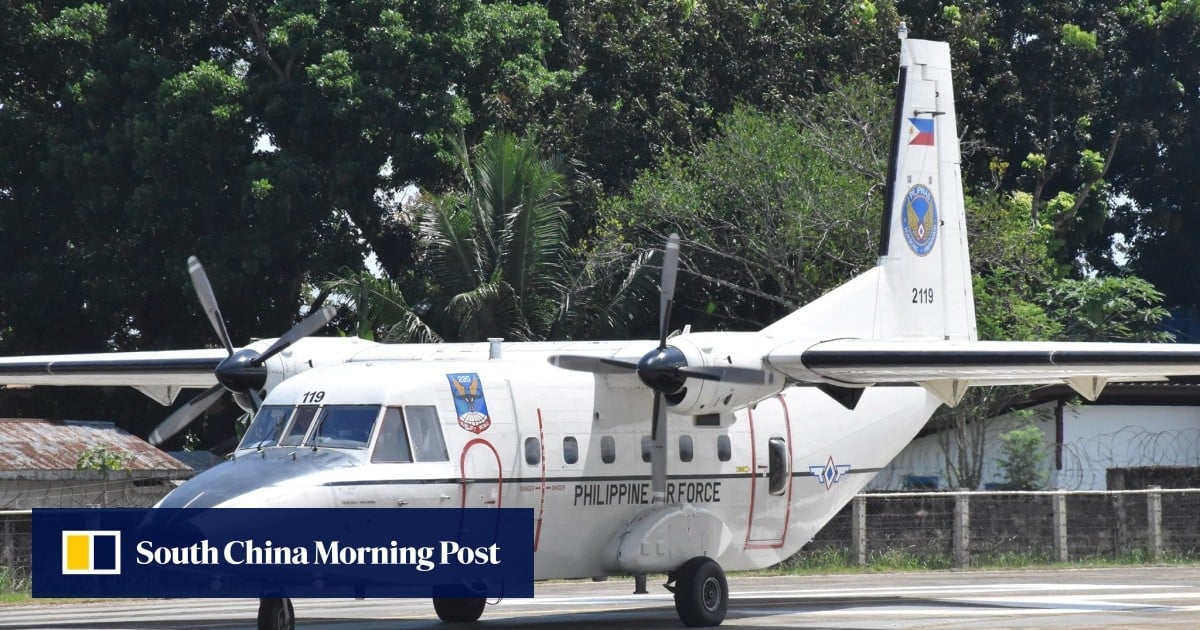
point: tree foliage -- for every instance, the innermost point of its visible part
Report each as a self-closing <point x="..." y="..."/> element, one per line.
<point x="273" y="139"/>
<point x="1095" y="104"/>
<point x="265" y="137"/>
<point x="1108" y="309"/>
<point x="1022" y="453"/>
<point x="775" y="210"/>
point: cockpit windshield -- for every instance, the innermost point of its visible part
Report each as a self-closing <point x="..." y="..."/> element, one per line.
<point x="299" y="426"/>
<point x="344" y="426"/>
<point x="268" y="425"/>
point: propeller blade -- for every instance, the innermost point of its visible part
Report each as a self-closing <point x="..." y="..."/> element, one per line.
<point x="595" y="365"/>
<point x="729" y="374"/>
<point x="658" y="453"/>
<point x="667" y="288"/>
<point x="659" y="416"/>
<point x="184" y="416"/>
<point x="208" y="301"/>
<point x="307" y="326"/>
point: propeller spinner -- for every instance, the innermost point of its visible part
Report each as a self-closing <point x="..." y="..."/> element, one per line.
<point x="243" y="373"/>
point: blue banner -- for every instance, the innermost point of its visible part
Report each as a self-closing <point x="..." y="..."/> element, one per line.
<point x="283" y="552"/>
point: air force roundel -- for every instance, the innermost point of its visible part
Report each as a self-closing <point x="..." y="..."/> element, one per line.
<point x="920" y="224"/>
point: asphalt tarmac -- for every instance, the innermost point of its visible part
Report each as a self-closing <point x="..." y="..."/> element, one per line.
<point x="1141" y="597"/>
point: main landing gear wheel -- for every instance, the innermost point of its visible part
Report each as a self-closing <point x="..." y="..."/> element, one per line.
<point x="458" y="609"/>
<point x="701" y="593"/>
<point x="276" y="613"/>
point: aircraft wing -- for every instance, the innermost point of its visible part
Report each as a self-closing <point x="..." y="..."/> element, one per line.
<point x="164" y="372"/>
<point x="948" y="367"/>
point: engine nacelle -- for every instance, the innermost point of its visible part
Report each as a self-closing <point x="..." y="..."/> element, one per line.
<point x="716" y="350"/>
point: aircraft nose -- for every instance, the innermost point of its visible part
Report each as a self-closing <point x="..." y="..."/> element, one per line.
<point x="273" y="478"/>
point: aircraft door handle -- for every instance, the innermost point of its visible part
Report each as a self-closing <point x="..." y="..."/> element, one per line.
<point x="401" y="502"/>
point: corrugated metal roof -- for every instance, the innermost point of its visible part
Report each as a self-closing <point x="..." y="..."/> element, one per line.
<point x="29" y="444"/>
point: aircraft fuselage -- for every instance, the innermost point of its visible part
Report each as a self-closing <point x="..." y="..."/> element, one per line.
<point x="571" y="446"/>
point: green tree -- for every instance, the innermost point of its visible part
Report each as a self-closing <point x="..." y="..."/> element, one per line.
<point x="774" y="211"/>
<point x="653" y="79"/>
<point x="1095" y="106"/>
<point x="1021" y="458"/>
<point x="265" y="137"/>
<point x="380" y="311"/>
<point x="497" y="247"/>
<point x="1108" y="309"/>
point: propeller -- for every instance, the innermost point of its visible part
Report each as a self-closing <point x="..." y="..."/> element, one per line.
<point x="664" y="370"/>
<point x="243" y="373"/>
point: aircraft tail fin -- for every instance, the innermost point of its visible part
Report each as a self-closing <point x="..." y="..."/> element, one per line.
<point x="921" y="288"/>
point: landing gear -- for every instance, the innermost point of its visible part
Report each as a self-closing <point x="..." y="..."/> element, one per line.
<point x="701" y="592"/>
<point x="458" y="609"/>
<point x="276" y="613"/>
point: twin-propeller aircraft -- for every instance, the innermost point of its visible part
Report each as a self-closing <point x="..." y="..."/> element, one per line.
<point x="687" y="455"/>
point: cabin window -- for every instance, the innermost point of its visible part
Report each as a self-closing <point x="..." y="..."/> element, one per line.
<point x="344" y="426"/>
<point x="724" y="448"/>
<point x="608" y="449"/>
<point x="533" y="451"/>
<point x="267" y="427"/>
<point x="777" y="472"/>
<point x="685" y="448"/>
<point x="425" y="432"/>
<point x="301" y="420"/>
<point x="647" y="448"/>
<point x="570" y="450"/>
<point x="392" y="444"/>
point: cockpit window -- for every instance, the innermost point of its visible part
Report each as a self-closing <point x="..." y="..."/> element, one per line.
<point x="392" y="444"/>
<point x="268" y="425"/>
<point x="300" y="422"/>
<point x="344" y="426"/>
<point x="426" y="433"/>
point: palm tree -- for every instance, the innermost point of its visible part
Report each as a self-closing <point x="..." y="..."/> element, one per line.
<point x="498" y="249"/>
<point x="381" y="312"/>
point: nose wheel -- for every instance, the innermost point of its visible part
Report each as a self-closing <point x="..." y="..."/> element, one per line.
<point x="276" y="613"/>
<point x="701" y="592"/>
<point x="458" y="609"/>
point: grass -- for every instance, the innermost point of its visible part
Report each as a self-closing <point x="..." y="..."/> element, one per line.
<point x="14" y="586"/>
<point x="834" y="560"/>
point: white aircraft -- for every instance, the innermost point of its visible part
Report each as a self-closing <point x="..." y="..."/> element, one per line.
<point x="686" y="455"/>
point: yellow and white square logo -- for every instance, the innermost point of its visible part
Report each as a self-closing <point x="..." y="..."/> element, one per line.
<point x="91" y="552"/>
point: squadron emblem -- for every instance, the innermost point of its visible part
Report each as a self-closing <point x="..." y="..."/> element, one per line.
<point x="920" y="224"/>
<point x="469" y="402"/>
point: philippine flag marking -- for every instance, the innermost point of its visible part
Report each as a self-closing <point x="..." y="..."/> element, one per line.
<point x="922" y="132"/>
<point x="91" y="552"/>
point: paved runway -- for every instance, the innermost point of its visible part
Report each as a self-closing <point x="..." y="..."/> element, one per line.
<point x="1084" y="598"/>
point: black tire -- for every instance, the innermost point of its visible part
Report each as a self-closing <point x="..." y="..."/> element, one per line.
<point x="701" y="593"/>
<point x="459" y="609"/>
<point x="276" y="613"/>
